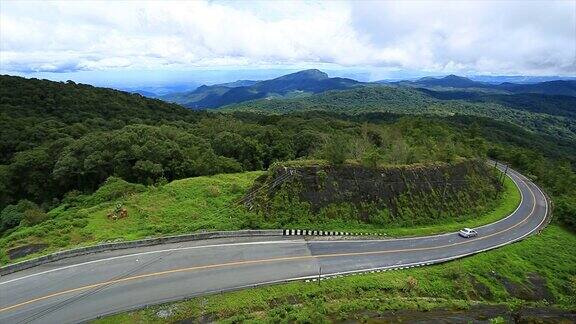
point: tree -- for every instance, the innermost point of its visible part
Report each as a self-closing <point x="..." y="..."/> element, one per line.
<point x="12" y="215"/>
<point x="305" y="143"/>
<point x="245" y="150"/>
<point x="148" y="172"/>
<point x="372" y="158"/>
<point x="337" y="149"/>
<point x="565" y="209"/>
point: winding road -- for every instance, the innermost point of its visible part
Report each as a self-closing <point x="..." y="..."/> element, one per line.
<point x="85" y="287"/>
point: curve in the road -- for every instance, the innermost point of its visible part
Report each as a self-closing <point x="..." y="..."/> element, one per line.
<point x="85" y="287"/>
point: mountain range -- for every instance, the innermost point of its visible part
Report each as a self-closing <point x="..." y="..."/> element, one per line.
<point x="308" y="82"/>
<point x="555" y="87"/>
<point x="288" y="86"/>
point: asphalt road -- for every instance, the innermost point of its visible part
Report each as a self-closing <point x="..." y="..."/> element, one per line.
<point x="83" y="288"/>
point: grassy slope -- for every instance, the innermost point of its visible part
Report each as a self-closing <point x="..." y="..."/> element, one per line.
<point x="188" y="205"/>
<point x="182" y="206"/>
<point x="446" y="285"/>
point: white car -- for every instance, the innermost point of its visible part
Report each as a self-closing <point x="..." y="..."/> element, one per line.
<point x="467" y="232"/>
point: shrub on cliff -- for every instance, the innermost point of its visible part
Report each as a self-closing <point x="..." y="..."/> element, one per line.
<point x="337" y="149"/>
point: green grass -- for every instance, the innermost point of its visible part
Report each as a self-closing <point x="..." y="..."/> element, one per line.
<point x="184" y="206"/>
<point x="457" y="284"/>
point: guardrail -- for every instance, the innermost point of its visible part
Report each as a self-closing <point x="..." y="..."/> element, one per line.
<point x="23" y="265"/>
<point x="132" y="244"/>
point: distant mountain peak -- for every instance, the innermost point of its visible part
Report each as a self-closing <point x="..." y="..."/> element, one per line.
<point x="451" y="80"/>
<point x="450" y="77"/>
<point x="313" y="74"/>
<point x="455" y="77"/>
<point x="550" y="87"/>
<point x="426" y="78"/>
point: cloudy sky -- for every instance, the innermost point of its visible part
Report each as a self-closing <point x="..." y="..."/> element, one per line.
<point x="375" y="39"/>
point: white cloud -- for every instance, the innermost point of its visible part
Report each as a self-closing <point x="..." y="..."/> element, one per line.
<point x="485" y="37"/>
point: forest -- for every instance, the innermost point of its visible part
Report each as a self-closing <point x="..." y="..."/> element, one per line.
<point x="547" y="115"/>
<point x="61" y="139"/>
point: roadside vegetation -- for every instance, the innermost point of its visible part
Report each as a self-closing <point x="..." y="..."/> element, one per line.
<point x="207" y="203"/>
<point x="182" y="206"/>
<point x="537" y="272"/>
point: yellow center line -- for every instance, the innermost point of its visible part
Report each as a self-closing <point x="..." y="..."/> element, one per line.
<point x="249" y="262"/>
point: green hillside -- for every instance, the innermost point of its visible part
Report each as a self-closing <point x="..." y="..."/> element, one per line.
<point x="411" y="101"/>
<point x="458" y="83"/>
<point x="62" y="141"/>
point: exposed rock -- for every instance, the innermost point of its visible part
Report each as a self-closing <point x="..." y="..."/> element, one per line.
<point x="481" y="290"/>
<point x="476" y="314"/>
<point x="164" y="313"/>
<point x="540" y="289"/>
<point x="544" y="315"/>
<point x="533" y="289"/>
<point x="22" y="251"/>
<point x="431" y="189"/>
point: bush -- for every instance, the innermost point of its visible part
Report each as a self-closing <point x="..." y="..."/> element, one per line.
<point x="411" y="284"/>
<point x="113" y="189"/>
<point x="235" y="188"/>
<point x="212" y="191"/>
<point x="162" y="181"/>
<point x="253" y="221"/>
<point x="72" y="198"/>
<point x="34" y="216"/>
<point x="565" y="209"/>
<point x="372" y="158"/>
<point x="380" y="217"/>
<point x="337" y="149"/>
<point x="12" y="215"/>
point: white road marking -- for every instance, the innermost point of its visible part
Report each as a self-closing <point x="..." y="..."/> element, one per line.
<point x="153" y="252"/>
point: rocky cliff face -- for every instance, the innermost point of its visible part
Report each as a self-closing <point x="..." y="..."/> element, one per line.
<point x="404" y="192"/>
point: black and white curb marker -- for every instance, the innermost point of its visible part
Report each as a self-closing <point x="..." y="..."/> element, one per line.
<point x="298" y="232"/>
<point x="374" y="270"/>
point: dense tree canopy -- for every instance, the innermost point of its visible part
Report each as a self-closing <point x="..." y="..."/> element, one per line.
<point x="61" y="138"/>
<point x="547" y="115"/>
